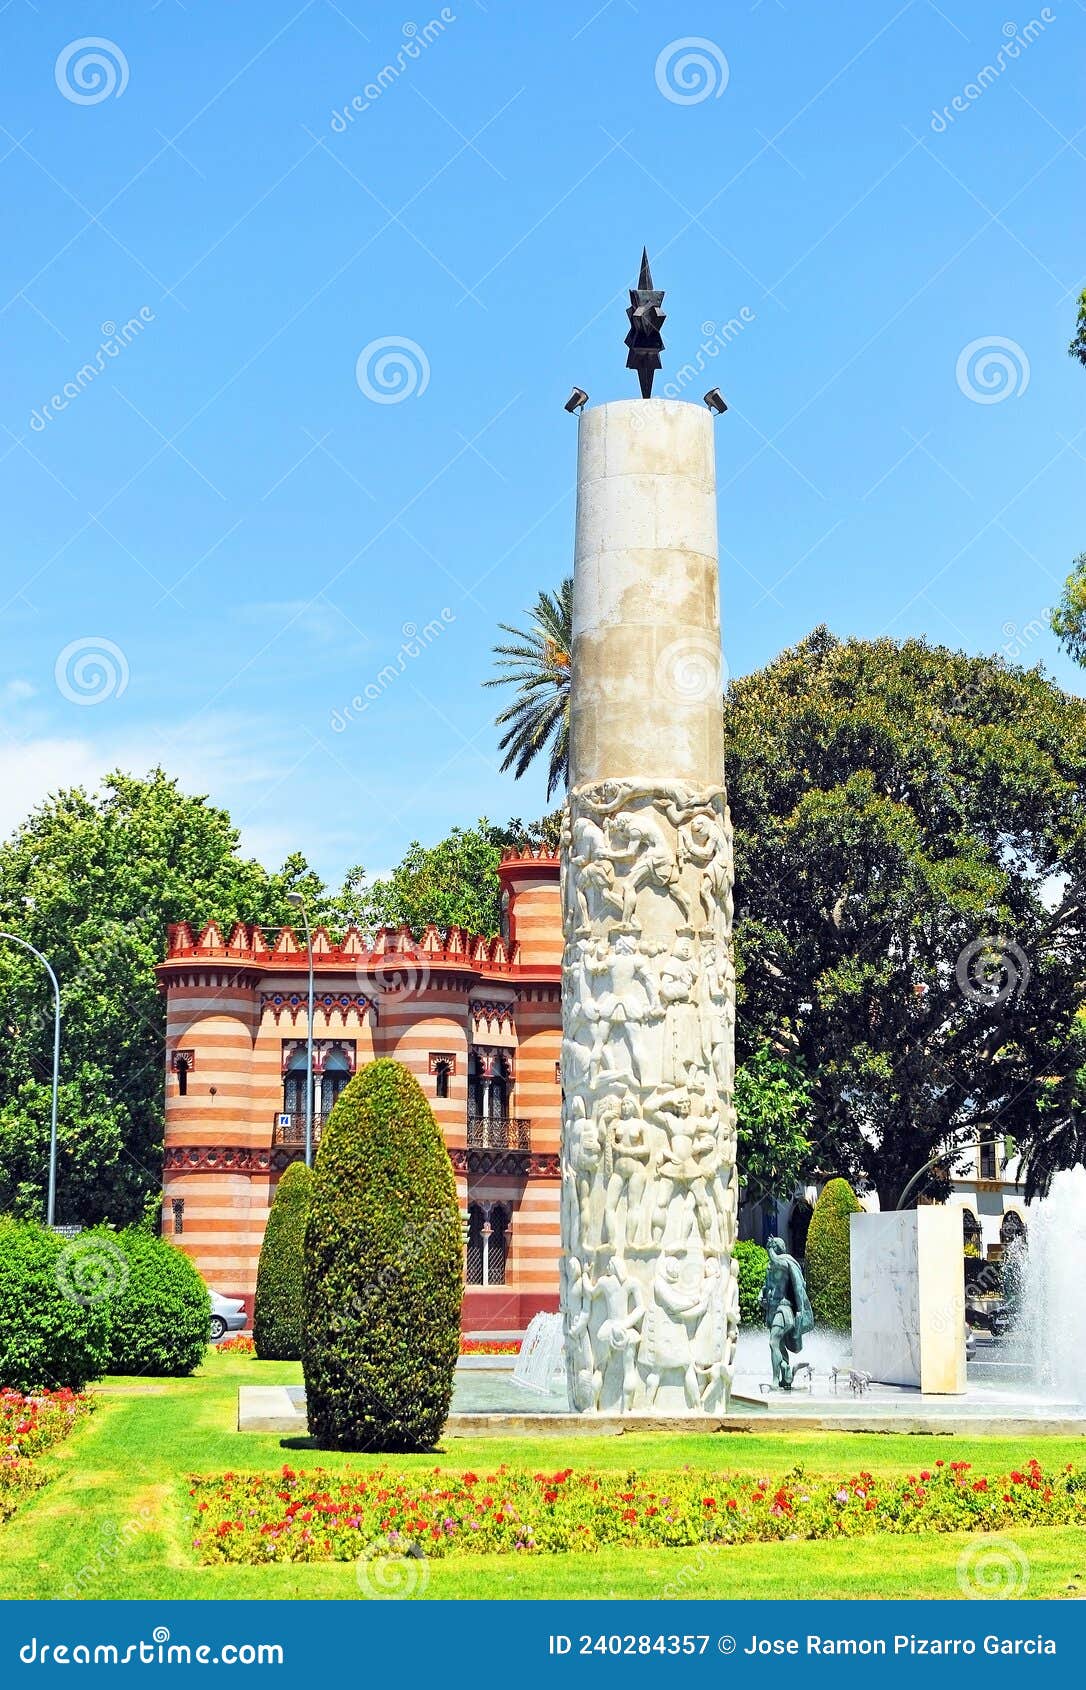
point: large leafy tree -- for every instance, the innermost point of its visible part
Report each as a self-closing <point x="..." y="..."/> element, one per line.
<point x="1077" y="348"/>
<point x="92" y="880"/>
<point x="1068" y="619"/>
<point x="536" y="662"/>
<point x="910" y="848"/>
<point x="772" y="1098"/>
<point x="451" y="884"/>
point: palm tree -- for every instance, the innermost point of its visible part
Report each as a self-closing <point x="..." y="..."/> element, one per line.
<point x="538" y="664"/>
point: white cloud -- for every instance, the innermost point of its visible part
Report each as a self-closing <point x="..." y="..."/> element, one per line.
<point x="17" y="691"/>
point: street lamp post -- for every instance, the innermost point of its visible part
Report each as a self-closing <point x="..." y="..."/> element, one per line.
<point x="298" y="901"/>
<point x="942" y="1155"/>
<point x="51" y="1200"/>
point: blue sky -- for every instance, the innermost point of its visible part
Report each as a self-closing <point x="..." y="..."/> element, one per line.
<point x="249" y="532"/>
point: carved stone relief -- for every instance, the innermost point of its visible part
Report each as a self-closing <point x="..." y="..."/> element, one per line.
<point x="649" y="1193"/>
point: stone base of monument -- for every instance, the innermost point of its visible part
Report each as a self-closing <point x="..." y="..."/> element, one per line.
<point x="985" y="1410"/>
<point x="908" y="1298"/>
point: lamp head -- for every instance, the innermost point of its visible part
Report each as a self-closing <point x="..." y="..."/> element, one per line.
<point x="577" y="400"/>
<point x="716" y="401"/>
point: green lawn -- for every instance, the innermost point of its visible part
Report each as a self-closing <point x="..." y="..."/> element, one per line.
<point x="114" y="1520"/>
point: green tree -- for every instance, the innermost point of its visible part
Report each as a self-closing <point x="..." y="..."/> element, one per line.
<point x="279" y="1310"/>
<point x="383" y="1270"/>
<point x="1059" y="1138"/>
<point x="827" y="1260"/>
<point x="93" y="880"/>
<point x="910" y="856"/>
<point x="159" y="1312"/>
<point x="451" y="884"/>
<point x="771" y="1100"/>
<point x="54" y="1326"/>
<point x="751" y="1263"/>
<point x="1068" y="619"/>
<point x="1077" y="348"/>
<point x="537" y="664"/>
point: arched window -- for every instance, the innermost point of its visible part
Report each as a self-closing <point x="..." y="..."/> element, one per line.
<point x="328" y="1084"/>
<point x="971" y="1233"/>
<point x="181" y="1069"/>
<point x="294" y="1085"/>
<point x="1012" y="1228"/>
<point x="441" y="1079"/>
<point x="488" y="1231"/>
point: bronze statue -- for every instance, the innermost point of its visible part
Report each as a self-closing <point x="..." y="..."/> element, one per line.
<point x="787" y="1311"/>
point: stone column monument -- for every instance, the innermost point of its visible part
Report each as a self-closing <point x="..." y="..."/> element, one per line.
<point x="649" y="1195"/>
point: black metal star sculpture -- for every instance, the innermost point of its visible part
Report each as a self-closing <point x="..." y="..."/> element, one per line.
<point x="644" y="341"/>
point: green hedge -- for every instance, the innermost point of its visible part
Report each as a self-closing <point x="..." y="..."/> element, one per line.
<point x="54" y="1308"/>
<point x="160" y="1313"/>
<point x="827" y="1259"/>
<point x="280" y="1283"/>
<point x="751" y="1262"/>
<point x="383" y="1270"/>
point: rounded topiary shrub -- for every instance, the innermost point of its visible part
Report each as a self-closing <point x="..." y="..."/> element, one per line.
<point x="751" y="1261"/>
<point x="383" y="1270"/>
<point x="54" y="1308"/>
<point x="827" y="1259"/>
<point x="160" y="1314"/>
<point x="280" y="1289"/>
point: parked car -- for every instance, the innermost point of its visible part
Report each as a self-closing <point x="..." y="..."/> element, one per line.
<point x="227" y="1315"/>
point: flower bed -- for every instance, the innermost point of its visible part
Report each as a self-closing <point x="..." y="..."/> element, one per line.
<point x="321" y="1516"/>
<point x="237" y="1346"/>
<point x="29" y="1426"/>
<point x="490" y="1346"/>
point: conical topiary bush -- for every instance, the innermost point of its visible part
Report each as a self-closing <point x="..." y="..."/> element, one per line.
<point x="278" y="1311"/>
<point x="383" y="1270"/>
<point x="827" y="1260"/>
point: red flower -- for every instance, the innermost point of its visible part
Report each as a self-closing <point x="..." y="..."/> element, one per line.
<point x="940" y="1464"/>
<point x="629" y="1513"/>
<point x="980" y="1484"/>
<point x="708" y="1502"/>
<point x="731" y="1503"/>
<point x="550" y="1496"/>
<point x="869" y="1504"/>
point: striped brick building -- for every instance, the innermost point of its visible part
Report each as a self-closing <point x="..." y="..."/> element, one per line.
<point x="477" y="1021"/>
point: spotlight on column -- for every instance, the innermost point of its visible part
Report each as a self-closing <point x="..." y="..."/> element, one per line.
<point x="716" y="401"/>
<point x="577" y="400"/>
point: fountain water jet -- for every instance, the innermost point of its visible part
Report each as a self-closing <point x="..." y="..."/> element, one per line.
<point x="1053" y="1308"/>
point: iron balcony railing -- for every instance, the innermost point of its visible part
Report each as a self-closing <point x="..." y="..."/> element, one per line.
<point x="495" y="1133"/>
<point x="290" y="1129"/>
